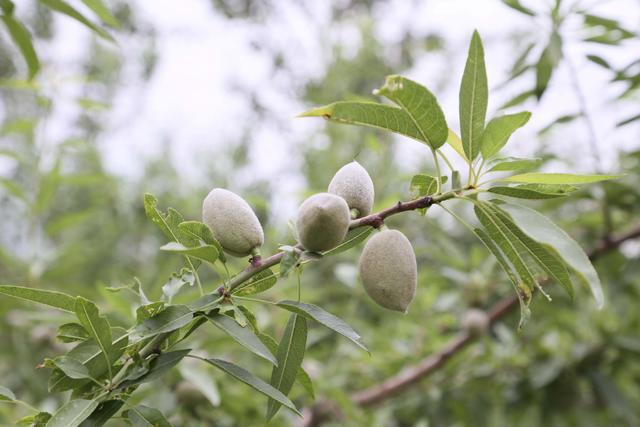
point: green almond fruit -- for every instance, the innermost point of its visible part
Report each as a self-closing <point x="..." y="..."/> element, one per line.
<point x="233" y="222"/>
<point x="388" y="270"/>
<point x="323" y="222"/>
<point x="353" y="183"/>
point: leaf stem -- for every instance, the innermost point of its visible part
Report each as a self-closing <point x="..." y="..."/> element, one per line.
<point x="445" y="158"/>
<point x="439" y="175"/>
<point x="263" y="301"/>
<point x="478" y="173"/>
<point x="196" y="275"/>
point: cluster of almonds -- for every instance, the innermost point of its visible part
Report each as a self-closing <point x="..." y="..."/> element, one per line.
<point x="388" y="268"/>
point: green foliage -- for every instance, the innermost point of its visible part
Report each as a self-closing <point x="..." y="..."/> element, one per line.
<point x="254" y="382"/>
<point x="327" y="319"/>
<point x="22" y="39"/>
<point x="105" y="365"/>
<point x="51" y="298"/>
<point x="290" y="354"/>
<point x="143" y="416"/>
<point x="498" y="132"/>
<point x="474" y="96"/>
<point x="73" y="413"/>
<point x="558" y="178"/>
<point x="541" y="229"/>
<point x="419" y="104"/>
<point x="243" y="335"/>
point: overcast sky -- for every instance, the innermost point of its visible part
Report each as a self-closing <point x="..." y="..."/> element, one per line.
<point x="191" y="102"/>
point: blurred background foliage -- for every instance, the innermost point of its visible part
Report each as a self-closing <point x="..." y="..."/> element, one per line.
<point x="71" y="223"/>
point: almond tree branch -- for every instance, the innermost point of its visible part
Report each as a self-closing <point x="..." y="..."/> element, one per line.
<point x="397" y="384"/>
<point x="259" y="264"/>
<point x="374" y="220"/>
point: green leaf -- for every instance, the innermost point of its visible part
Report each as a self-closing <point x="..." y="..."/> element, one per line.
<point x="254" y="382"/>
<point x="289" y="260"/>
<point x="201" y="379"/>
<point x="424" y="185"/>
<point x="305" y="381"/>
<point x="99" y="8"/>
<point x="171" y="318"/>
<point x="261" y="282"/>
<point x="543" y="230"/>
<point x="176" y="282"/>
<point x="508" y="244"/>
<point x="168" y="222"/>
<point x="474" y="96"/>
<point x="544" y="255"/>
<point x="72" y="413"/>
<point x="516" y="5"/>
<point x="38" y="420"/>
<point x="558" y="178"/>
<point x="70" y="332"/>
<point x="90" y="355"/>
<point x="525" y="313"/>
<point x="421" y="105"/>
<point x="147" y="311"/>
<point x="547" y="63"/>
<point x="514" y="164"/>
<point x="244" y="336"/>
<point x="628" y="120"/>
<point x="143" y="416"/>
<point x="353" y="238"/>
<point x="499" y="130"/>
<point x="370" y="114"/>
<point x="534" y="191"/>
<point x="206" y="253"/>
<point x="517" y="99"/>
<point x="71" y="367"/>
<point x="103" y="413"/>
<point x="454" y="141"/>
<point x="66" y="9"/>
<point x="158" y="367"/>
<point x="6" y="394"/>
<point x="600" y="61"/>
<point x="22" y="38"/>
<point x="51" y="298"/>
<point x="566" y="118"/>
<point x="290" y="354"/>
<point x="97" y="327"/>
<point x="203" y="233"/>
<point x="301" y="377"/>
<point x="325" y="318"/>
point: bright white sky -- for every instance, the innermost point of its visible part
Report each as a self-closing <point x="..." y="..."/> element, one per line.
<point x="190" y="101"/>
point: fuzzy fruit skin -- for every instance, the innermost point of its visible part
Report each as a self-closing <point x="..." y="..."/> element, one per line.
<point x="233" y="222"/>
<point x="388" y="270"/>
<point x="323" y="222"/>
<point x="353" y="183"/>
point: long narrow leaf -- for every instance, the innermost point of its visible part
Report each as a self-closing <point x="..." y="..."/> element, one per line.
<point x="290" y="354"/>
<point x="51" y="298"/>
<point x="253" y="381"/>
<point x="325" y="318"/>
<point x="543" y="230"/>
<point x="244" y="336"/>
<point x="97" y="326"/>
<point x="473" y="98"/>
<point x="545" y="256"/>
